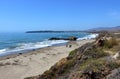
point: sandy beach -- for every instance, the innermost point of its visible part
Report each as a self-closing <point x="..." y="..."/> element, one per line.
<point x="34" y="62"/>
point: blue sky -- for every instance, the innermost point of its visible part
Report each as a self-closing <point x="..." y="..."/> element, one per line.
<point x="24" y="15"/>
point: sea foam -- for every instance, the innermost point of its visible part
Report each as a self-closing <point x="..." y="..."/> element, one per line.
<point x="30" y="46"/>
<point x="91" y="36"/>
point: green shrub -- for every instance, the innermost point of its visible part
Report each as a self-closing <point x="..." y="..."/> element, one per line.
<point x="98" y="65"/>
<point x="72" y="53"/>
<point x="69" y="64"/>
<point x="96" y="53"/>
<point x="113" y="65"/>
<point x="106" y="44"/>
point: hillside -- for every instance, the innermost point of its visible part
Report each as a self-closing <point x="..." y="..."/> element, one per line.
<point x="91" y="61"/>
<point x="51" y="31"/>
<point x="111" y="29"/>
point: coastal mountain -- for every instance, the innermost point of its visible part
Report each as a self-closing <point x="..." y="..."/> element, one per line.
<point x="51" y="31"/>
<point x="113" y="29"/>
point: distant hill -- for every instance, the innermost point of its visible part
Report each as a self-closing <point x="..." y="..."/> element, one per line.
<point x="50" y="31"/>
<point x="113" y="29"/>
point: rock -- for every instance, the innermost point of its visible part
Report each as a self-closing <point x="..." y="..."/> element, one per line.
<point x="20" y="53"/>
<point x="115" y="74"/>
<point x="53" y="38"/>
<point x="100" y="42"/>
<point x="117" y="55"/>
<point x="72" y="38"/>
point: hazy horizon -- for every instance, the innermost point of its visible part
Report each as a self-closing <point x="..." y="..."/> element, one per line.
<point x="29" y="15"/>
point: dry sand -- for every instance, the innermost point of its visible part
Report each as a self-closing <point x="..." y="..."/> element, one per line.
<point x="34" y="62"/>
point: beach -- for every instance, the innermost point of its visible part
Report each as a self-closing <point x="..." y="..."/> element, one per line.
<point x="19" y="66"/>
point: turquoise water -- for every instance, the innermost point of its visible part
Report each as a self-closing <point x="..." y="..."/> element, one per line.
<point x="16" y="42"/>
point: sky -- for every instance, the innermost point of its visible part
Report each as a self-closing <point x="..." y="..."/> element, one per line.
<point x="25" y="15"/>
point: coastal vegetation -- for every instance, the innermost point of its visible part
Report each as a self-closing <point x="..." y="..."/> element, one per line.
<point x="90" y="61"/>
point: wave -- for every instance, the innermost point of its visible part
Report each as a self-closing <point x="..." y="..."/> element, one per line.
<point x="21" y="47"/>
<point x="2" y="51"/>
<point x="91" y="36"/>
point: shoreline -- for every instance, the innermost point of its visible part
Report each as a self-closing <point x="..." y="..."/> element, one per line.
<point x="27" y="47"/>
<point x="28" y="52"/>
<point x="37" y="61"/>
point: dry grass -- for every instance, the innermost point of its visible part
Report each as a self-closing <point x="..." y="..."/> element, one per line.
<point x="110" y="43"/>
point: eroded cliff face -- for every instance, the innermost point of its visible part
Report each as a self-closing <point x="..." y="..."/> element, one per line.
<point x="86" y="62"/>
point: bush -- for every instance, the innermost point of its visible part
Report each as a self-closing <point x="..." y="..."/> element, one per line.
<point x="110" y="43"/>
<point x="113" y="41"/>
<point x="97" y="69"/>
<point x="73" y="52"/>
<point x="95" y="53"/>
<point x="114" y="65"/>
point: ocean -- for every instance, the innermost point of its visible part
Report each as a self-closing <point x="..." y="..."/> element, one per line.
<point x="11" y="43"/>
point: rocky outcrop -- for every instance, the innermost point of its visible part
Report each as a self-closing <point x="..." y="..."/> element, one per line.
<point x="72" y="38"/>
<point x="115" y="74"/>
<point x="117" y="55"/>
